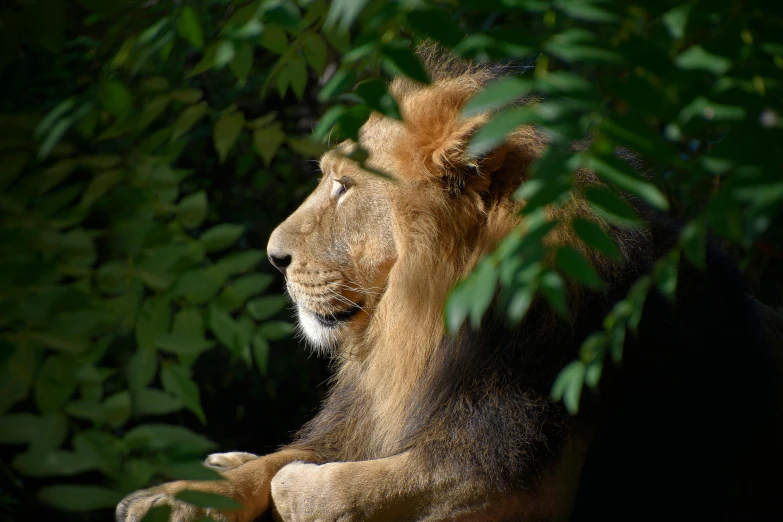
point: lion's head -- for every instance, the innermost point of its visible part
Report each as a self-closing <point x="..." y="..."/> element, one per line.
<point x="363" y="246"/>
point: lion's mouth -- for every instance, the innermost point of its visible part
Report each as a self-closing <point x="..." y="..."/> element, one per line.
<point x="334" y="319"/>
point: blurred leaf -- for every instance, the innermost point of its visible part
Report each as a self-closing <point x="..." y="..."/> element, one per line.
<point x="612" y="207"/>
<point x="694" y="239"/>
<point x="266" y="141"/>
<point x="497" y="95"/>
<point x="190" y="471"/>
<point x="665" y="274"/>
<point x="553" y="288"/>
<point x="260" y="353"/>
<point x="568" y="386"/>
<point x="399" y="60"/>
<point x="54" y="463"/>
<point x="343" y="13"/>
<point x="189" y="27"/>
<point x="242" y="63"/>
<point x="221" y="237"/>
<point x="484" y="286"/>
<point x="274" y="39"/>
<point x="176" y="380"/>
<point x="624" y="177"/>
<point x="275" y="330"/>
<point x="73" y="498"/>
<point x="341" y="81"/>
<point x="151" y="401"/>
<point x="436" y="24"/>
<point x="586" y="10"/>
<point x="265" y="307"/>
<point x="696" y="58"/>
<point x="163" y="437"/>
<point x="208" y="500"/>
<point x="192" y="209"/>
<point x="377" y="97"/>
<point x="297" y="75"/>
<point x="572" y="263"/>
<point x="115" y="98"/>
<point x="594" y="236"/>
<point x="188" y="118"/>
<point x="494" y="132"/>
<point x="314" y="50"/>
<point x="239" y="262"/>
<point x="227" y="130"/>
<point x="157" y="514"/>
<point x="676" y="20"/>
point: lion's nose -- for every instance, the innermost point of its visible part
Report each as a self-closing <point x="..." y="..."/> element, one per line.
<point x="280" y="260"/>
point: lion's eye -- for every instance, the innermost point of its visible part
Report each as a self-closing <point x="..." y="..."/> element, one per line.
<point x="339" y="187"/>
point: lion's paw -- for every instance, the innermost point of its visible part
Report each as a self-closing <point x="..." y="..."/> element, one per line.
<point x="308" y="493"/>
<point x="227" y="461"/>
<point x="133" y="507"/>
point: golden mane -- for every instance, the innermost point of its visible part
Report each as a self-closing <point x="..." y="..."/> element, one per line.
<point x="442" y="232"/>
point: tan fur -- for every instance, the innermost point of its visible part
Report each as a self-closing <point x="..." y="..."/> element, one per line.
<point x="397" y="249"/>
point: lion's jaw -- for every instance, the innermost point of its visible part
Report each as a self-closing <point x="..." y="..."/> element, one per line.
<point x="337" y="248"/>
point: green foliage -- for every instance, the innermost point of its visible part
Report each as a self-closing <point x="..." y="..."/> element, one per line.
<point x="120" y="268"/>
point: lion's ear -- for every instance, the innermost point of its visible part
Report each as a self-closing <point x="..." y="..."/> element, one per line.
<point x="474" y="172"/>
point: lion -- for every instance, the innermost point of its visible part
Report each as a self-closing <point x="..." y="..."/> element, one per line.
<point x="422" y="425"/>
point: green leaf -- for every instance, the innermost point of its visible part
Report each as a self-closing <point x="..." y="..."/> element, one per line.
<point x="342" y="13"/>
<point x="260" y="353"/>
<point x="189" y="27"/>
<point x="568" y="385"/>
<point x="693" y="237"/>
<point x="103" y="449"/>
<point x="400" y="60"/>
<point x="497" y="95"/>
<point x="435" y="24"/>
<point x="265" y="307"/>
<point x="622" y="175"/>
<point x="297" y="75"/>
<point x="153" y="320"/>
<point x="553" y="289"/>
<point x="594" y="236"/>
<point x="585" y="10"/>
<point x="593" y="373"/>
<point x="115" y="98"/>
<point x="157" y="514"/>
<point x="42" y="433"/>
<point x="314" y="50"/>
<point x="190" y="471"/>
<point x="72" y="498"/>
<point x="198" y="286"/>
<point x="612" y="207"/>
<point x="484" y="286"/>
<point x="275" y="330"/>
<point x="186" y="96"/>
<point x="55" y="382"/>
<point x="151" y="401"/>
<point x="227" y="130"/>
<point x="153" y="438"/>
<point x="696" y="58"/>
<point x="665" y="274"/>
<point x="676" y="20"/>
<point x="192" y="209"/>
<point x="208" y="500"/>
<point x="242" y="63"/>
<point x="494" y="132"/>
<point x="48" y="122"/>
<point x="224" y="327"/>
<point x="239" y="262"/>
<point x="207" y="61"/>
<point x="274" y="39"/>
<point x="572" y="263"/>
<point x="99" y="186"/>
<point x="53" y="463"/>
<point x="341" y="81"/>
<point x="224" y="54"/>
<point x="266" y="141"/>
<point x="188" y="118"/>
<point x="377" y="97"/>
<point x="221" y="237"/>
<point x="241" y="289"/>
<point x="176" y="380"/>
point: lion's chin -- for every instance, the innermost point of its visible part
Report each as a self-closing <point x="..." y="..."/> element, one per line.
<point x="324" y="332"/>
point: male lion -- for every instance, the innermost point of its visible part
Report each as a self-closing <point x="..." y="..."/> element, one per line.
<point x="421" y="425"/>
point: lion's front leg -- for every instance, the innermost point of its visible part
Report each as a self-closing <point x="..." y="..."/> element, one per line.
<point x="247" y="480"/>
<point x="401" y="488"/>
